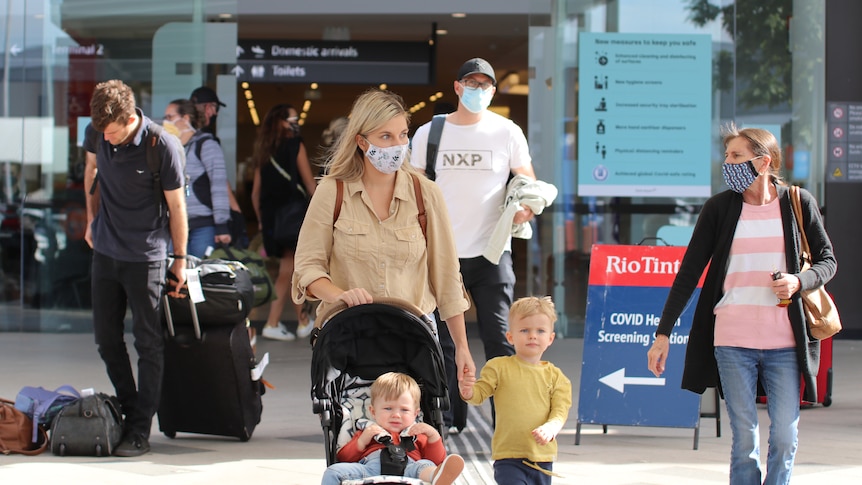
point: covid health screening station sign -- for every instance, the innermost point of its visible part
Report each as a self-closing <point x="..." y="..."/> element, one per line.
<point x="628" y="286"/>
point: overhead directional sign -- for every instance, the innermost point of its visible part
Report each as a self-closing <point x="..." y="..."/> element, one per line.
<point x="354" y="62"/>
<point x="628" y="286"/>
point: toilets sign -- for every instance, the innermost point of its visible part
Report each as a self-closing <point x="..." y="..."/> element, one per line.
<point x="628" y="286"/>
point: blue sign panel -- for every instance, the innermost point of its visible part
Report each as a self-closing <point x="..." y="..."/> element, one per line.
<point x="628" y="287"/>
<point x="644" y="109"/>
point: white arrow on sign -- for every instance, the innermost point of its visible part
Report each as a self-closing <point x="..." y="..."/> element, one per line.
<point x="15" y="50"/>
<point x="618" y="380"/>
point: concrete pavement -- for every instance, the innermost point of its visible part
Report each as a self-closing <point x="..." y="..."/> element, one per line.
<point x="287" y="446"/>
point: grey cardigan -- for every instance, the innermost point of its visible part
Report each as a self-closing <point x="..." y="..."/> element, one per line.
<point x="710" y="244"/>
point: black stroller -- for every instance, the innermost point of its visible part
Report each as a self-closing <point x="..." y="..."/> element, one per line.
<point x="358" y="344"/>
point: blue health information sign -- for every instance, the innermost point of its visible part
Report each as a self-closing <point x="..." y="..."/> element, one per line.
<point x="627" y="289"/>
<point x="644" y="113"/>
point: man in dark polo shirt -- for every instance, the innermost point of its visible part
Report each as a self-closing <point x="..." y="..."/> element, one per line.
<point x="129" y="232"/>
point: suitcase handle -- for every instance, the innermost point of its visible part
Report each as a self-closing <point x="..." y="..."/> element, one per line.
<point x="196" y="324"/>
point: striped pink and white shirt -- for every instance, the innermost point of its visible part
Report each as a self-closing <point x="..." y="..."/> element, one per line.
<point x="747" y="315"/>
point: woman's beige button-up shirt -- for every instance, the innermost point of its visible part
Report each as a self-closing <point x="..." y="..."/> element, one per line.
<point x="388" y="258"/>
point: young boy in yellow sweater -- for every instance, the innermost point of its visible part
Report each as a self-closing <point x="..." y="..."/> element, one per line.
<point x="532" y="397"/>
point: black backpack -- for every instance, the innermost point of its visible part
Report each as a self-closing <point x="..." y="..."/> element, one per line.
<point x="201" y="185"/>
<point x="437" y="123"/>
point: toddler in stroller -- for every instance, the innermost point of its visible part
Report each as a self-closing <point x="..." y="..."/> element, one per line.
<point x="351" y="351"/>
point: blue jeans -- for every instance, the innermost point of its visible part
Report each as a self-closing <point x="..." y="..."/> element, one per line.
<point x="738" y="369"/>
<point x="116" y="284"/>
<point x="513" y="471"/>
<point x="199" y="239"/>
<point x="368" y="467"/>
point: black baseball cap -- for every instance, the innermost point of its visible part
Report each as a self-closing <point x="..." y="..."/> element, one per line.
<point x="477" y="65"/>
<point x="204" y="94"/>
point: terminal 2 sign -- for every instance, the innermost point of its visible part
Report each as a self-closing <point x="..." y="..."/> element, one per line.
<point x="342" y="62"/>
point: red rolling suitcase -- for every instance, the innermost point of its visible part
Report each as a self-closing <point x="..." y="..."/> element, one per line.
<point x="824" y="379"/>
<point x="824" y="375"/>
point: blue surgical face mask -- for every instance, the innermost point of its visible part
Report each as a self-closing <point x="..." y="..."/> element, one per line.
<point x="386" y="159"/>
<point x="740" y="176"/>
<point x="476" y="100"/>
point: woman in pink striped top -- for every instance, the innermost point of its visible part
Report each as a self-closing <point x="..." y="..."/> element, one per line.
<point x="747" y="326"/>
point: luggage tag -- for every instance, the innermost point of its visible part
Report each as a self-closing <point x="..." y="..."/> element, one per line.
<point x="193" y="280"/>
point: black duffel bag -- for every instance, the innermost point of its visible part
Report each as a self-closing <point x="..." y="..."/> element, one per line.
<point x="228" y="293"/>
<point x="89" y="426"/>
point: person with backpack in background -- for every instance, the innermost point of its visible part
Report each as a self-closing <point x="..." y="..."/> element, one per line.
<point x="283" y="183"/>
<point x="207" y="104"/>
<point x="134" y="207"/>
<point x="207" y="202"/>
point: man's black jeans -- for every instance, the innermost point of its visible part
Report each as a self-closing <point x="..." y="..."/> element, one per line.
<point x="138" y="285"/>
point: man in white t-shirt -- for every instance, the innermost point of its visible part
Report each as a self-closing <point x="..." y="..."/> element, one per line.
<point x="477" y="152"/>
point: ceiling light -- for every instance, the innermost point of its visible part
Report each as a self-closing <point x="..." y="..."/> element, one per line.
<point x="224" y="15"/>
<point x="442" y="31"/>
<point x="383" y="87"/>
<point x="313" y="85"/>
<point x="458" y="15"/>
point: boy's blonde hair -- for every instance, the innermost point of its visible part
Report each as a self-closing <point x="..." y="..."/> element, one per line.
<point x="392" y="385"/>
<point x="533" y="305"/>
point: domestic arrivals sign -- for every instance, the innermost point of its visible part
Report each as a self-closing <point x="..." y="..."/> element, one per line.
<point x="628" y="286"/>
<point x="343" y="62"/>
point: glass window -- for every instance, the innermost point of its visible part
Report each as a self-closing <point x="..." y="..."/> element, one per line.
<point x="766" y="71"/>
<point x="58" y="52"/>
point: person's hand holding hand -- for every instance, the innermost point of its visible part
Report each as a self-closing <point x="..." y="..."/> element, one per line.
<point x="657" y="355"/>
<point x="466" y="381"/>
<point x="464" y="361"/>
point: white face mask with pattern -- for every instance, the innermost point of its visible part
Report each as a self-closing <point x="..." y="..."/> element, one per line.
<point x="386" y="160"/>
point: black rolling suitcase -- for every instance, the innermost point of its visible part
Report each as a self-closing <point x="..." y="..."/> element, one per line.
<point x="207" y="385"/>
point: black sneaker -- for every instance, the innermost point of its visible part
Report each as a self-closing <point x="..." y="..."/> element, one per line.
<point x="133" y="444"/>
